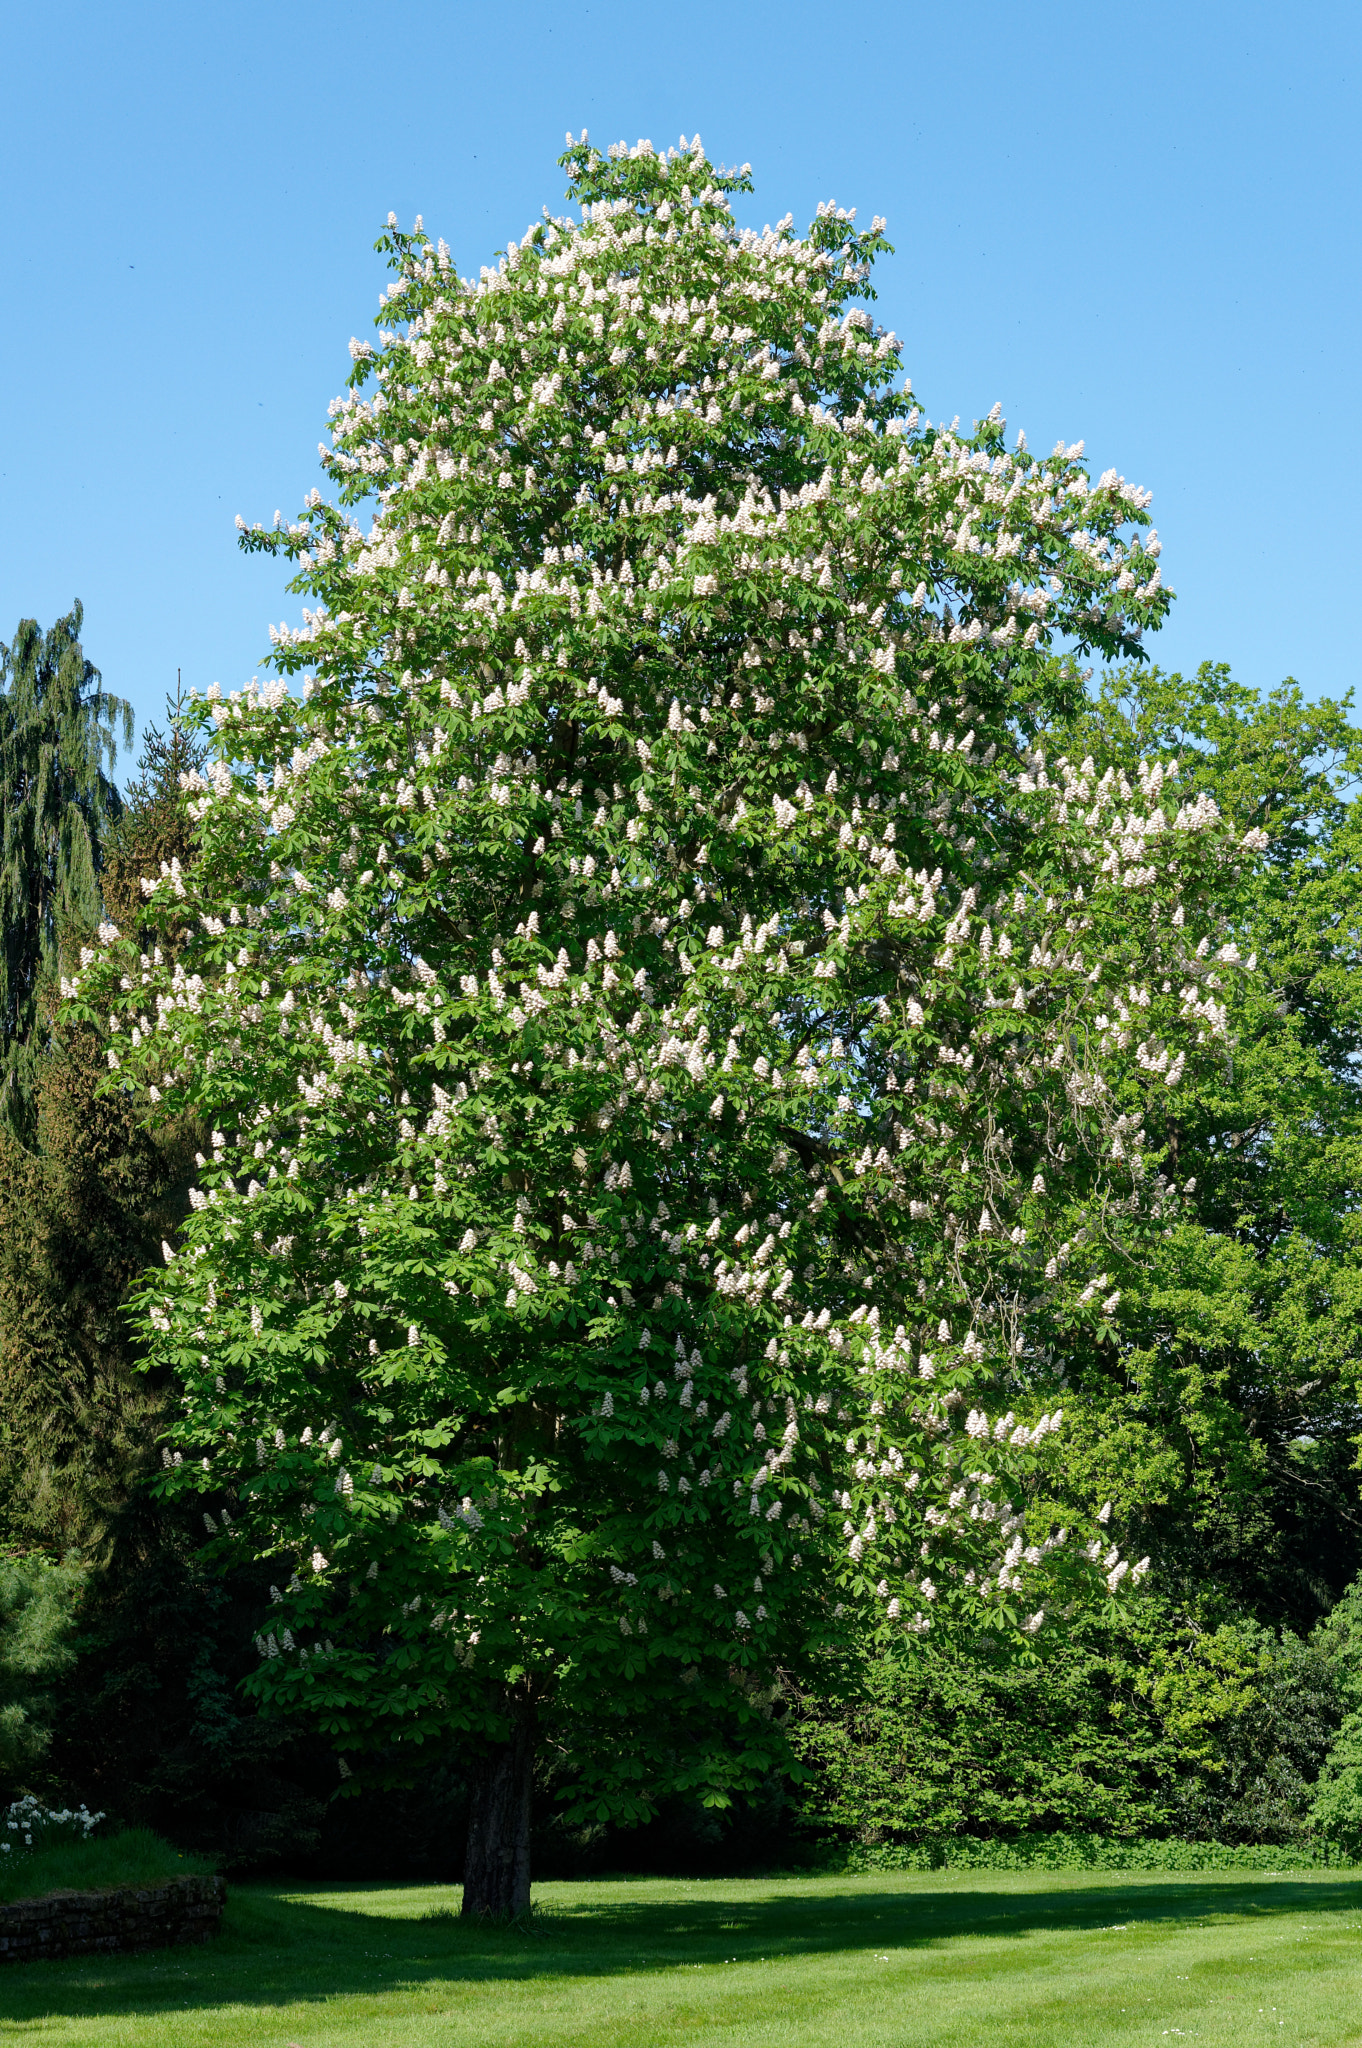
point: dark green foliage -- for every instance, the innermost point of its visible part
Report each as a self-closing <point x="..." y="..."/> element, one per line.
<point x="153" y="1728"/>
<point x="57" y="736"/>
<point x="1166" y="1730"/>
<point x="84" y="1206"/>
<point x="36" y="1603"/>
<point x="763" y="1829"/>
<point x="81" y="1213"/>
<point x="1252" y="1780"/>
<point x="966" y="1744"/>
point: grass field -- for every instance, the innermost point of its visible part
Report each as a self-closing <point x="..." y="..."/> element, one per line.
<point x="967" y="1959"/>
<point x="133" y="1856"/>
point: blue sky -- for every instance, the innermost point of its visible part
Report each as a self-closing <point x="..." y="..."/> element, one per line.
<point x="1137" y="226"/>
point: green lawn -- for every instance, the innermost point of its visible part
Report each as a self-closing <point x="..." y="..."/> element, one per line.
<point x="133" y="1856"/>
<point x="966" y="1959"/>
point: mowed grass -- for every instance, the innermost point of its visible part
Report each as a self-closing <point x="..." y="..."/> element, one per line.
<point x="942" y="1960"/>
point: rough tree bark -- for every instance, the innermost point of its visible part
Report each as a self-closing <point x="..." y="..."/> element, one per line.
<point x="496" y="1870"/>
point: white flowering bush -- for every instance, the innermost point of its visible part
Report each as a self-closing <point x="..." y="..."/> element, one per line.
<point x="29" y="1826"/>
<point x="682" y="1071"/>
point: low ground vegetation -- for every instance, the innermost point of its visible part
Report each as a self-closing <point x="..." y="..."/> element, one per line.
<point x="947" y="1960"/>
<point x="133" y="1856"/>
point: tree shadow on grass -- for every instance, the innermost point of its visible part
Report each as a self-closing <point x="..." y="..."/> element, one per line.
<point x="278" y="1950"/>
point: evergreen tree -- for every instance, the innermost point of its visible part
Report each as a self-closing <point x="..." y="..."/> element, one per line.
<point x="652" y="1005"/>
<point x="57" y="740"/>
<point x="37" y="1600"/>
<point x="154" y="826"/>
<point x="87" y="1193"/>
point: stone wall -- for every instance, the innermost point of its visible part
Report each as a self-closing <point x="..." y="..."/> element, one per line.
<point x="100" y="1923"/>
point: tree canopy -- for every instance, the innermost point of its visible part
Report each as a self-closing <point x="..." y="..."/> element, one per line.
<point x="686" y="1067"/>
<point x="1225" y="1419"/>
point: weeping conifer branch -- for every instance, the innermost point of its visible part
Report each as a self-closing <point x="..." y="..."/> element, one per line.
<point x="58" y="744"/>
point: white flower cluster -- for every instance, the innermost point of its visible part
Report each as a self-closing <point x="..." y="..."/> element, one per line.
<point x="28" y="1818"/>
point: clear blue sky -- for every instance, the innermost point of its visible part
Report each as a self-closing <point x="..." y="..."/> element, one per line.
<point x="1138" y="225"/>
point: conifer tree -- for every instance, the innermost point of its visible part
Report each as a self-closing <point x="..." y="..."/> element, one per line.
<point x="678" y="1059"/>
<point x="58" y="728"/>
<point x="87" y="1192"/>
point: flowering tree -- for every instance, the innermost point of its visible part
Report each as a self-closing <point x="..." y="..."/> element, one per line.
<point x="677" y="1068"/>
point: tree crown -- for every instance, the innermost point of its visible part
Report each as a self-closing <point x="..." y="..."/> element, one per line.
<point x="679" y="1058"/>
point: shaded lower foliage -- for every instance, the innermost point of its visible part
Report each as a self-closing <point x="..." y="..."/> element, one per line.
<point x="957" y="1743"/>
<point x="1169" y="1729"/>
<point x="1214" y="1735"/>
<point x="151" y="1725"/>
<point x="81" y="1214"/>
<point x="1253" y="1780"/>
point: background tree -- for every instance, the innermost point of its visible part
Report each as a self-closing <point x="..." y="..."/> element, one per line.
<point x="140" y="1702"/>
<point x="1221" y="1412"/>
<point x="641" y="976"/>
<point x="154" y="825"/>
<point x="57" y="739"/>
<point x="87" y="1195"/>
<point x="1224" y="1417"/>
<point x="1336" y="1809"/>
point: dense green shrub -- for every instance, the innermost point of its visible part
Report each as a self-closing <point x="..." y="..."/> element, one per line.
<point x="948" y="1745"/>
<point x="1167" y="1729"/>
<point x="1251" y="1778"/>
<point x="1084" y="1852"/>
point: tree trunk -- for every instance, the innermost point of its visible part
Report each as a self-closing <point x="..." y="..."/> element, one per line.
<point x="496" y="1868"/>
